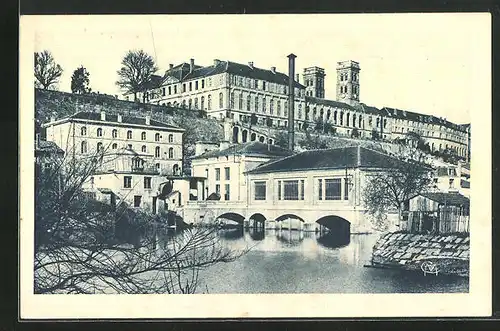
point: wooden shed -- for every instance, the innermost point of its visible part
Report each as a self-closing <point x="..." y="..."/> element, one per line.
<point x="436" y="212"/>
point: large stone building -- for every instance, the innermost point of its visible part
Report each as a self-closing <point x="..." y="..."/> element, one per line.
<point x="237" y="91"/>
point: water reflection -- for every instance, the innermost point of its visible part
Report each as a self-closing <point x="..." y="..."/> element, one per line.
<point x="232" y="234"/>
<point x="290" y="237"/>
<point x="257" y="234"/>
<point x="333" y="240"/>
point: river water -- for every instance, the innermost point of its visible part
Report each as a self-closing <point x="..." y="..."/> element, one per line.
<point x="306" y="262"/>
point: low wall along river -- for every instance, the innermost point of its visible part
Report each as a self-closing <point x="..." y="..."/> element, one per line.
<point x="408" y="251"/>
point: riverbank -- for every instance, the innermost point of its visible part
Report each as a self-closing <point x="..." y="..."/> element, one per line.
<point x="450" y="253"/>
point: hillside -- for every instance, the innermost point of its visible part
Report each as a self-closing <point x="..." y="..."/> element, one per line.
<point x="61" y="104"/>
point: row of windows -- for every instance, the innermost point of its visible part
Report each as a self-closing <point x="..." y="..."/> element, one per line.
<point x="127" y="182"/>
<point x="227" y="173"/>
<point x="173" y="89"/>
<point x="344" y="89"/>
<point x="328" y="189"/>
<point x="345" y="76"/>
<point x="227" y="193"/>
<point x="100" y="147"/>
<point x="262" y="85"/>
<point x="114" y="134"/>
<point x="258" y="101"/>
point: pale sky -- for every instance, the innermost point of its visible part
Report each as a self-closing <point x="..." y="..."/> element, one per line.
<point x="429" y="63"/>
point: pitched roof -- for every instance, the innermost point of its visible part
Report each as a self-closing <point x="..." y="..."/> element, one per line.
<point x="95" y="116"/>
<point x="254" y="148"/>
<point x="336" y="158"/>
<point x="327" y="102"/>
<point x="454" y="199"/>
<point x="181" y="72"/>
<point x="44" y="146"/>
<point x="417" y="117"/>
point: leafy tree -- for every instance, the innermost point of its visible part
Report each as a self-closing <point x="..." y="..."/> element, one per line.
<point x="135" y="73"/>
<point x="312" y="142"/>
<point x="388" y="189"/>
<point x="355" y="133"/>
<point x="375" y="134"/>
<point x="80" y="81"/>
<point x="281" y="139"/>
<point x="47" y="71"/>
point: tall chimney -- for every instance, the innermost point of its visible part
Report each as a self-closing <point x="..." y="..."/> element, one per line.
<point x="291" y="99"/>
<point x="191" y="65"/>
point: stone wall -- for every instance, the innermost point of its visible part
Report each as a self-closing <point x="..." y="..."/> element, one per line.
<point x="409" y="251"/>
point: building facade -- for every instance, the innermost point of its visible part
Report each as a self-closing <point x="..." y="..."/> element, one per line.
<point x="85" y="134"/>
<point x="237" y="91"/>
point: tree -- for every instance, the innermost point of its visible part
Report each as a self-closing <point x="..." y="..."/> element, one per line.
<point x="47" y="71"/>
<point x="375" y="134"/>
<point x="313" y="142"/>
<point x="388" y="189"/>
<point x="80" y="81"/>
<point x="281" y="139"/>
<point x="355" y="133"/>
<point x="85" y="246"/>
<point x="135" y="73"/>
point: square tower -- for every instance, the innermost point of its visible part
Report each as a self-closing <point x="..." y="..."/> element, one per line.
<point x="314" y="80"/>
<point x="348" y="82"/>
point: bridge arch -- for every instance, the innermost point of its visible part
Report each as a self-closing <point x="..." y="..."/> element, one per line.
<point x="287" y="216"/>
<point x="291" y="222"/>
<point x="258" y="220"/>
<point x="233" y="217"/>
<point x="335" y="224"/>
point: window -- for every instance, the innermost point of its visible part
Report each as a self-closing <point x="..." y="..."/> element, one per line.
<point x="320" y="189"/>
<point x="100" y="148"/>
<point x="209" y="102"/>
<point x="83" y="148"/>
<point x="195" y="103"/>
<point x="190" y="104"/>
<point x="147" y="182"/>
<point x="175" y="89"/>
<point x="227" y="193"/>
<point x="278" y="108"/>
<point x="157" y="137"/>
<point x="99" y="132"/>
<point x="196" y="85"/>
<point x="83" y="131"/>
<point x="202" y="83"/>
<point x="451" y="181"/>
<point x="231" y="101"/>
<point x="260" y="190"/>
<point x="127" y="181"/>
<point x="291" y="189"/>
<point x="157" y="151"/>
<point x="170" y="153"/>
<point x="129" y="146"/>
<point x="279" y="189"/>
<point x="170" y="138"/>
<point x="114" y="133"/>
<point x="202" y="105"/>
<point x="256" y="105"/>
<point x="169" y="90"/>
<point x="227" y="173"/>
<point x="333" y="189"/>
<point x="240" y="101"/>
<point x="264" y="85"/>
<point x="137" y="201"/>
<point x="183" y="87"/>
<point x="347" y="119"/>
<point x="190" y="86"/>
<point x="143" y="148"/>
<point x="129" y="134"/>
<point x="217" y="189"/>
<point x="114" y="146"/>
<point x="248" y="102"/>
<point x="217" y="173"/>
<point x="385" y="123"/>
<point x="143" y="136"/>
<point x="285" y="113"/>
<point x="163" y="91"/>
<point x="301" y="189"/>
<point x="221" y="100"/>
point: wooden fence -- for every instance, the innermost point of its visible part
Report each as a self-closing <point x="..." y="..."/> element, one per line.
<point x="434" y="222"/>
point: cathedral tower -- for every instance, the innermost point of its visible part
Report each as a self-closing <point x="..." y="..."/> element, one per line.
<point x="314" y="80"/>
<point x="348" y="82"/>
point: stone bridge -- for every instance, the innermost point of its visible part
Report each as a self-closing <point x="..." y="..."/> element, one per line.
<point x="342" y="218"/>
<point x="236" y="133"/>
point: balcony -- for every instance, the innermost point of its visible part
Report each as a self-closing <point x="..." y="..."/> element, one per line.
<point x="150" y="170"/>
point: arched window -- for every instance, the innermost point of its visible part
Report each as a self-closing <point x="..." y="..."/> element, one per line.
<point x="256" y="105"/>
<point x="83" y="131"/>
<point x="278" y="107"/>
<point x="157" y="137"/>
<point x="248" y="102"/>
<point x="341" y="118"/>
<point x="271" y="107"/>
<point x="209" y="102"/>
<point x="157" y="151"/>
<point x="202" y="105"/>
<point x="176" y="169"/>
<point x="360" y="122"/>
<point x="170" y="138"/>
<point x="114" y="146"/>
<point x="195" y="103"/>
<point x="354" y="120"/>
<point x="328" y="114"/>
<point x="231" y="100"/>
<point x="221" y="100"/>
<point x="170" y="153"/>
<point x="143" y="148"/>
<point x="190" y="103"/>
<point x="347" y="118"/>
<point x="83" y="149"/>
<point x="100" y="148"/>
<point x="99" y="132"/>
<point x="240" y="101"/>
<point x="335" y="117"/>
<point x="114" y="133"/>
<point x="143" y="135"/>
<point x="129" y="134"/>
<point x="378" y="122"/>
